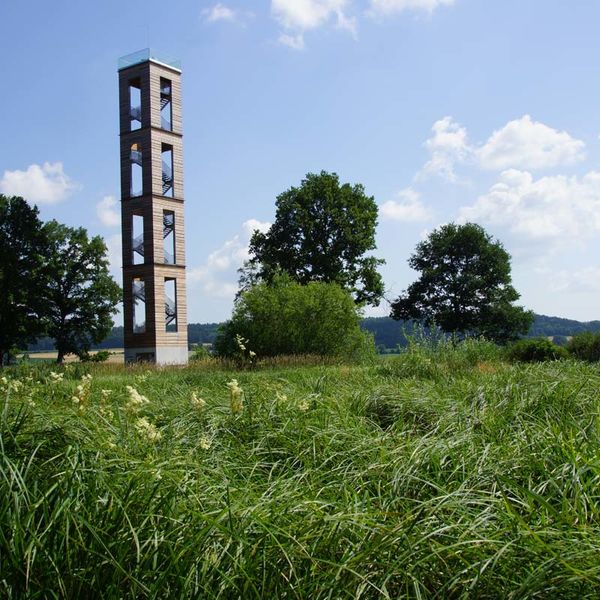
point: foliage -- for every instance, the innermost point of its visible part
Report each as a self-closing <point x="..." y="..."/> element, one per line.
<point x="327" y="482"/>
<point x="285" y="317"/>
<point x="535" y="350"/>
<point x="544" y="326"/>
<point x="322" y="232"/>
<point x="97" y="357"/>
<point x="199" y="352"/>
<point x="585" y="346"/>
<point x="81" y="296"/>
<point x="22" y="249"/>
<point x="465" y="285"/>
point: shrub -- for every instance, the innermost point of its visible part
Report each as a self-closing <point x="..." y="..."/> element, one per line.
<point x="585" y="346"/>
<point x="97" y="357"/>
<point x="535" y="350"/>
<point x="285" y="317"/>
<point x="199" y="352"/>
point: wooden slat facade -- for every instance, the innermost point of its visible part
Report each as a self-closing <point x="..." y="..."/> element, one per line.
<point x="151" y="205"/>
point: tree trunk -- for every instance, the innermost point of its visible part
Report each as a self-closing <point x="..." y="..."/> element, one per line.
<point x="61" y="356"/>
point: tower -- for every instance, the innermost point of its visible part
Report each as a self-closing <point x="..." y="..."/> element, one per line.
<point x="154" y="290"/>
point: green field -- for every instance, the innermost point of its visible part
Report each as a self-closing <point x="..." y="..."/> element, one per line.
<point x="438" y="474"/>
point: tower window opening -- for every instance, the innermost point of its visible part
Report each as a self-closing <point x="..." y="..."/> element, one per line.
<point x="135" y="104"/>
<point x="139" y="305"/>
<point x="137" y="182"/>
<point x="166" y="104"/>
<point x="137" y="240"/>
<point x="169" y="236"/>
<point x="167" y="170"/>
<point x="170" y="305"/>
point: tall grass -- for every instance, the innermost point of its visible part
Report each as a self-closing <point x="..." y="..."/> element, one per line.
<point x="440" y="474"/>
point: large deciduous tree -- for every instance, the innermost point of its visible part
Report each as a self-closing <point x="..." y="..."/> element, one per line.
<point x="322" y="232"/>
<point x="464" y="286"/>
<point x="22" y="255"/>
<point x="81" y="296"/>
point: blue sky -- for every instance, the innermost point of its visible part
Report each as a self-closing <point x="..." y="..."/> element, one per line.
<point x="446" y="110"/>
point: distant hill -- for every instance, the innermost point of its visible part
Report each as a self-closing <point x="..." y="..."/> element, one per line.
<point x="389" y="334"/>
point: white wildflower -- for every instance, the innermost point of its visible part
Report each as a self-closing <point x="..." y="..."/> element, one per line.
<point x="148" y="429"/>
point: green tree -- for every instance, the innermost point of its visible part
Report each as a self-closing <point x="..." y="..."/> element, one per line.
<point x="81" y="296"/>
<point x="322" y="232"/>
<point x="22" y="249"/>
<point x="465" y="285"/>
<point x="285" y="317"/>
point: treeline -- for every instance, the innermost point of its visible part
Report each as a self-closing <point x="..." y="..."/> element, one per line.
<point x="388" y="333"/>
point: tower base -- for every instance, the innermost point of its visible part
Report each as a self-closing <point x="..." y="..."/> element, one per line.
<point x="165" y="355"/>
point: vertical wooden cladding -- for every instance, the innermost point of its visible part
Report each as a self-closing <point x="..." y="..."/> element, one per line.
<point x="156" y="72"/>
<point x="158" y="139"/>
<point x="141" y="72"/>
<point x="148" y="338"/>
<point x="159" y="205"/>
<point x="164" y="338"/>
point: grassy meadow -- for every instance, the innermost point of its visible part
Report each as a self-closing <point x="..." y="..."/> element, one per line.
<point x="442" y="473"/>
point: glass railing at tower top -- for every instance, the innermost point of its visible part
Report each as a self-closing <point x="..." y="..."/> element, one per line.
<point x="148" y="54"/>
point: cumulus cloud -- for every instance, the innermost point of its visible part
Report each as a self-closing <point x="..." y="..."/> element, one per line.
<point x="218" y="12"/>
<point x="299" y="16"/>
<point x="408" y="208"/>
<point x="553" y="208"/>
<point x="45" y="184"/>
<point x="448" y="146"/>
<point x="389" y="7"/>
<point x="527" y="144"/>
<point x="522" y="144"/>
<point x="217" y="277"/>
<point x="107" y="211"/>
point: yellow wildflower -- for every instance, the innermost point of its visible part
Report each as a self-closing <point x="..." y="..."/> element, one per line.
<point x="197" y="401"/>
<point x="236" y="397"/>
<point x="205" y="442"/>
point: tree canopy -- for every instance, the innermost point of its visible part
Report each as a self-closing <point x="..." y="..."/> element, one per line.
<point x="22" y="251"/>
<point x="81" y="296"/>
<point x="323" y="231"/>
<point x="285" y="317"/>
<point x="464" y="286"/>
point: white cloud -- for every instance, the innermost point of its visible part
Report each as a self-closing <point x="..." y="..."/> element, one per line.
<point x="115" y="255"/>
<point x="527" y="144"/>
<point x="107" y="211"/>
<point x="219" y="12"/>
<point x="218" y="275"/>
<point x="388" y="7"/>
<point x="409" y="208"/>
<point x="580" y="281"/>
<point x="556" y="209"/>
<point x="521" y="144"/>
<point x="298" y="16"/>
<point x="44" y="184"/>
<point x="448" y="146"/>
<point x="292" y="41"/>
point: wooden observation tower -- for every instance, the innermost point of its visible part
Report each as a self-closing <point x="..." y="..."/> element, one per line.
<point x="154" y="289"/>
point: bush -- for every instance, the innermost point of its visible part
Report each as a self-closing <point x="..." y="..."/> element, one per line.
<point x="199" y="352"/>
<point x="585" y="346"/>
<point x="97" y="357"/>
<point x="535" y="350"/>
<point x="287" y="318"/>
